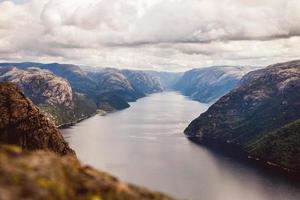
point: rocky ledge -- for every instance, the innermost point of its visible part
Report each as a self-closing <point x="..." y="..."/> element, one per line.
<point x="44" y="175"/>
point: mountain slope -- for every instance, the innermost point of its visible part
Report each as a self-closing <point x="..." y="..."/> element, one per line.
<point x="51" y="93"/>
<point x="281" y="145"/>
<point x="143" y="81"/>
<point x="263" y="103"/>
<point x="23" y="124"/>
<point x="110" y="89"/>
<point x="208" y="84"/>
<point x="42" y="173"/>
<point x="78" y="79"/>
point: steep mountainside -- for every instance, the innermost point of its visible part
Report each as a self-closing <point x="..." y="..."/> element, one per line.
<point x="110" y="89"/>
<point x="40" y="85"/>
<point x="51" y="93"/>
<point x="77" y="78"/>
<point x="143" y="81"/>
<point x="260" y="116"/>
<point x="111" y="81"/>
<point x="208" y="84"/>
<point x="42" y="174"/>
<point x="23" y="124"/>
<point x="115" y="90"/>
<point x="167" y="79"/>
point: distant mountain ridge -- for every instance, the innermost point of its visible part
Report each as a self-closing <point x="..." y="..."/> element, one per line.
<point x="209" y="84"/>
<point x="110" y="89"/>
<point x="261" y="116"/>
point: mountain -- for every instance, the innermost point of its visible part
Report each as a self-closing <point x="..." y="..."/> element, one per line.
<point x="110" y="89"/>
<point x="209" y="84"/>
<point x="42" y="165"/>
<point x="112" y="81"/>
<point x="51" y="93"/>
<point x="143" y="81"/>
<point x="166" y="79"/>
<point x="260" y="116"/>
<point x="78" y="79"/>
<point x="23" y="124"/>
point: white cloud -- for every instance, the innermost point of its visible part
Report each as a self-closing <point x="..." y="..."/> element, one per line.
<point x="156" y="34"/>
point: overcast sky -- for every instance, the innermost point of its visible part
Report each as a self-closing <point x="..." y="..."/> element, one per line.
<point x="173" y="35"/>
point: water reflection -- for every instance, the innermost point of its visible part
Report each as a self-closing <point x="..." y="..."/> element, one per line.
<point x="145" y="145"/>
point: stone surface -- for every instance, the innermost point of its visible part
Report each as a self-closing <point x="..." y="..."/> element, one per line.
<point x="44" y="175"/>
<point x="23" y="124"/>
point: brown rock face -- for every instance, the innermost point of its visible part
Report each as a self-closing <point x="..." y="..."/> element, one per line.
<point x="44" y="175"/>
<point x="23" y="124"/>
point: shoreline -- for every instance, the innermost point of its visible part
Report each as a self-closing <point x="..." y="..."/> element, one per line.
<point x="67" y="125"/>
<point x="236" y="152"/>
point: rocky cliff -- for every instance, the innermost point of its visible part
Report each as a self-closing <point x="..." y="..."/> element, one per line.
<point x="41" y="173"/>
<point x="23" y="124"/>
<point x="40" y="86"/>
<point x="110" y="89"/>
<point x="260" y="116"/>
<point x="209" y="84"/>
<point x="51" y="93"/>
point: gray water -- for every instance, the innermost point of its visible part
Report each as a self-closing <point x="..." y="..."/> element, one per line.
<point x="145" y="145"/>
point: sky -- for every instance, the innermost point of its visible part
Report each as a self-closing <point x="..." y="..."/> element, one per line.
<point x="168" y="35"/>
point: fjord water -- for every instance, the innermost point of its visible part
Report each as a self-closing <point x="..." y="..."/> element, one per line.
<point x="145" y="145"/>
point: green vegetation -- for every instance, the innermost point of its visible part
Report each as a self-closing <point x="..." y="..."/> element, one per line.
<point x="281" y="146"/>
<point x="261" y="116"/>
<point x="61" y="115"/>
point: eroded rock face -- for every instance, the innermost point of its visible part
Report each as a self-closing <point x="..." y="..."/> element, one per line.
<point x="263" y="103"/>
<point x="23" y="124"/>
<point x="44" y="175"/>
<point x="51" y="93"/>
<point x="40" y="86"/>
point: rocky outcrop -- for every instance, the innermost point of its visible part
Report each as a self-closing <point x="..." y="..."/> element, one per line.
<point x="44" y="175"/>
<point x="209" y="84"/>
<point x="40" y="86"/>
<point x="258" y="115"/>
<point x="77" y="78"/>
<point x="23" y="124"/>
<point x="51" y="93"/>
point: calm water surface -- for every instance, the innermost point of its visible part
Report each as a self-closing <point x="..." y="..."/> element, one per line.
<point x="145" y="145"/>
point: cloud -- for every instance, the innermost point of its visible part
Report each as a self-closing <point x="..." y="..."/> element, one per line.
<point x="156" y="34"/>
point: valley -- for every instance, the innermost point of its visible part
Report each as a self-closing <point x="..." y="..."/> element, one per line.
<point x="140" y="121"/>
<point x="149" y="100"/>
<point x="145" y="145"/>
